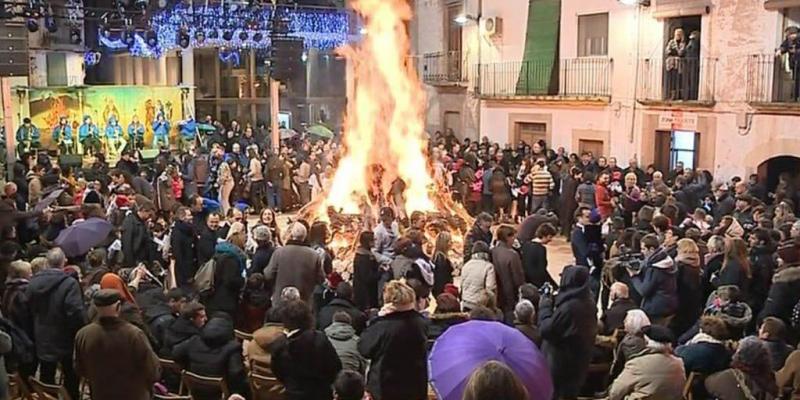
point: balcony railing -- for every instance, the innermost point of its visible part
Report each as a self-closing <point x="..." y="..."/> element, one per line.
<point x="579" y="77"/>
<point x="770" y="79"/>
<point x="442" y="67"/>
<point x="677" y="80"/>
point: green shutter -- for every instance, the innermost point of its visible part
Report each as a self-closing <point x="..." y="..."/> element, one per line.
<point x="539" y="70"/>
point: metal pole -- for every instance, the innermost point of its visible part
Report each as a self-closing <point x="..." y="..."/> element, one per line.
<point x="274" y="106"/>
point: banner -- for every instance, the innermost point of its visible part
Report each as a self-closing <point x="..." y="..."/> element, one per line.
<point x="101" y="103"/>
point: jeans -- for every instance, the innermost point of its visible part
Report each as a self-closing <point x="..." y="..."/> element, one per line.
<point x="48" y="374"/>
<point x="159" y="140"/>
<point x="273" y="196"/>
<point x="538" y="202"/>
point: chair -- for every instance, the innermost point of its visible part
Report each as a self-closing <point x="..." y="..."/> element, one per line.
<point x="18" y="388"/>
<point x="46" y="391"/>
<point x="200" y="386"/>
<point x="242" y="336"/>
<point x="260" y="368"/>
<point x="264" y="387"/>
<point x="688" y="387"/>
<point x="171" y="397"/>
<point x="171" y="367"/>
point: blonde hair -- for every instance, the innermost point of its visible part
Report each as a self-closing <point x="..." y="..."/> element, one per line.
<point x="398" y="293"/>
<point x="443" y="242"/>
<point x="687" y="246"/>
<point x="19" y="269"/>
<point x="38" y="264"/>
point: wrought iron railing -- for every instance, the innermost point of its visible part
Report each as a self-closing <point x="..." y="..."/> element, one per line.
<point x="442" y="67"/>
<point x="676" y="79"/>
<point x="771" y="79"/>
<point x="588" y="77"/>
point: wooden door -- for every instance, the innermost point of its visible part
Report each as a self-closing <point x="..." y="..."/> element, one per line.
<point x="452" y="120"/>
<point x="592" y="146"/>
<point x="663" y="150"/>
<point x="530" y="132"/>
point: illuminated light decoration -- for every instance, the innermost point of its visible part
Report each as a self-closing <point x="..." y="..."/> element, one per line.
<point x="319" y="28"/>
<point x="32" y="24"/>
<point x="92" y="58"/>
<point x="50" y="24"/>
<point x="199" y="36"/>
<point x="151" y="38"/>
<point x="75" y="36"/>
<point x="129" y="37"/>
<point x="183" y="39"/>
<point x="228" y="56"/>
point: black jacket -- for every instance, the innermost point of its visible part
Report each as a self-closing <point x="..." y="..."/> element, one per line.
<point x="180" y="331"/>
<point x="690" y="297"/>
<point x="475" y="235"/>
<point x="206" y="243"/>
<point x="442" y="273"/>
<point x="159" y="318"/>
<point x="568" y="325"/>
<point x="778" y="353"/>
<point x="534" y="264"/>
<point x="136" y="241"/>
<point x="733" y="273"/>
<point x="724" y="206"/>
<point x="439" y="323"/>
<point x="214" y="353"/>
<point x="182" y="243"/>
<point x="614" y="317"/>
<point x="261" y="258"/>
<point x="396" y="345"/>
<point x="58" y="313"/>
<point x="325" y="316"/>
<point x="307" y="364"/>
<point x="658" y="285"/>
<point x="762" y="268"/>
<point x="228" y="284"/>
<point x="783" y="295"/>
<point x="365" y="279"/>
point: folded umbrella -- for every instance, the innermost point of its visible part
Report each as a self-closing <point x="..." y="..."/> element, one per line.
<point x="80" y="237"/>
<point x="48" y="200"/>
<point x="465" y="347"/>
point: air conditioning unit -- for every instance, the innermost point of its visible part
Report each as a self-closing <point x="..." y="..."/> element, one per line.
<point x="493" y="27"/>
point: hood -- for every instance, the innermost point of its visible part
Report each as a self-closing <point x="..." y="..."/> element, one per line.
<point x="574" y="284"/>
<point x="217" y="332"/>
<point x="268" y="334"/>
<point x="229" y="249"/>
<point x="735" y="314"/>
<point x="449" y="316"/>
<point x="340" y="331"/>
<point x="661" y="260"/>
<point x="45" y="282"/>
<point x="787" y="275"/>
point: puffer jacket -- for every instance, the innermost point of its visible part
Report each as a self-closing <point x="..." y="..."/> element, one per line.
<point x="180" y="331"/>
<point x="657" y="283"/>
<point x="477" y="275"/>
<point x="783" y="295"/>
<point x="58" y="313"/>
<point x="343" y="338"/>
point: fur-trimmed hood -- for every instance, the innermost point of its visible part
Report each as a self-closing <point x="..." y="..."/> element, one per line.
<point x="787" y="275"/>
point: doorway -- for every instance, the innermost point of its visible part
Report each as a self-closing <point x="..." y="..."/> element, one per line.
<point x="676" y="146"/>
<point x="770" y="171"/>
<point x="595" y="147"/>
<point x="682" y="63"/>
<point x="452" y="120"/>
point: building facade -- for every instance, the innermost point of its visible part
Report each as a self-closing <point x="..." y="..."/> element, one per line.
<point x="601" y="76"/>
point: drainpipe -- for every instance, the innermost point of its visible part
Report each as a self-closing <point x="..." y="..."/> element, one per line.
<point x="478" y="75"/>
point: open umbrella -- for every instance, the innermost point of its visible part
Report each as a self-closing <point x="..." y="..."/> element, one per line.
<point x="321" y="131"/>
<point x="287" y="133"/>
<point x="48" y="200"/>
<point x="465" y="347"/>
<point x="206" y="128"/>
<point x="80" y="237"/>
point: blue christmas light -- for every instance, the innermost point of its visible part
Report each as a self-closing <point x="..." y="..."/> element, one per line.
<point x="319" y="28"/>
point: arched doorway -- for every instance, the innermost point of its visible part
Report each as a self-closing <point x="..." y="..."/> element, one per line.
<point x="770" y="170"/>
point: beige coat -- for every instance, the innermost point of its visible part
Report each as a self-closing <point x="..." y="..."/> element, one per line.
<point x="650" y="376"/>
<point x="789" y="375"/>
<point x="477" y="275"/>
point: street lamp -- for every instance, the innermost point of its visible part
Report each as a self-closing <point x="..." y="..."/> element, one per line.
<point x="645" y="3"/>
<point x="463" y="19"/>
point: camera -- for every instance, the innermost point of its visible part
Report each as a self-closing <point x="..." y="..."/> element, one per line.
<point x="631" y="261"/>
<point x="546" y="290"/>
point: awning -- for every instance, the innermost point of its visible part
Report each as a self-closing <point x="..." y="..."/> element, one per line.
<point x="780" y="4"/>
<point x="678" y="8"/>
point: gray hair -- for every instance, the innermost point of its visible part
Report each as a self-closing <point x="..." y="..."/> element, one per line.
<point x="716" y="244"/>
<point x="290" y="293"/>
<point x="298" y="231"/>
<point x="635" y="321"/>
<point x="56" y="258"/>
<point x="753" y="353"/>
<point x="621" y="290"/>
<point x="524" y="311"/>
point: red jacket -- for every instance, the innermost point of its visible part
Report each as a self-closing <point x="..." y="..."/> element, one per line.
<point x="602" y="199"/>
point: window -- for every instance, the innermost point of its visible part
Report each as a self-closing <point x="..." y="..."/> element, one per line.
<point x="593" y="35"/>
<point x="453" y="32"/>
<point x="683" y="148"/>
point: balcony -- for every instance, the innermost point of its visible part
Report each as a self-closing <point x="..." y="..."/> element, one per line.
<point x="687" y="81"/>
<point x="770" y="82"/>
<point x="442" y="68"/>
<point x="580" y="79"/>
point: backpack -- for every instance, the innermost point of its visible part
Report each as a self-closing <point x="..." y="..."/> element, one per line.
<point x="23" y="351"/>
<point x="204" y="277"/>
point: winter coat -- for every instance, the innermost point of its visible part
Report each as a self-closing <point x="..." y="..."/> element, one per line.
<point x="530" y="331"/>
<point x="165" y="197"/>
<point x="654" y="375"/>
<point x="182" y="246"/>
<point x="568" y="326"/>
<point x="180" y="331"/>
<point x="159" y="318"/>
<point x="325" y="316"/>
<point x="657" y="283"/>
<point x="228" y="280"/>
<point x="116" y="358"/>
<point x="15" y="305"/>
<point x="442" y="273"/>
<point x="778" y="352"/>
<point x="585" y="195"/>
<point x="365" y="279"/>
<point x="733" y="273"/>
<point x="206" y="244"/>
<point x="704" y="356"/>
<point x="789" y="375"/>
<point x="727" y="385"/>
<point x="383" y="248"/>
<point x="762" y="268"/>
<point x="534" y="264"/>
<point x="6" y="346"/>
<point x="567" y="202"/>
<point x="529" y="226"/>
<point x="307" y="364"/>
<point x="258" y="348"/>
<point x="501" y="195"/>
<point x="396" y="346"/>
<point x="294" y="265"/>
<point x="56" y="304"/>
<point x="344" y="340"/>
<point x="476" y="234"/>
<point x="508" y="268"/>
<point x="439" y="323"/>
<point x="215" y="353"/>
<point x="725" y="206"/>
<point x="136" y="241"/>
<point x="261" y="258"/>
<point x="783" y="295"/>
<point x="690" y="295"/>
<point x="476" y="275"/>
<point x="614" y="317"/>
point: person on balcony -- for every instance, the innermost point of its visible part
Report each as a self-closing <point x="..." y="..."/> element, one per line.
<point x="692" y="70"/>
<point x="791" y="46"/>
<point x="673" y="65"/>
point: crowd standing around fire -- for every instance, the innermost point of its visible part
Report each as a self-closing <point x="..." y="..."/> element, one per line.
<point x="122" y="277"/>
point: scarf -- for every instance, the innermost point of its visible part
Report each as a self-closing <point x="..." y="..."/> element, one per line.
<point x="703" y="338"/>
<point x="426" y="268"/>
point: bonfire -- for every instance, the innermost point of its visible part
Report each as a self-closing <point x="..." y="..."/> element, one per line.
<point x="385" y="160"/>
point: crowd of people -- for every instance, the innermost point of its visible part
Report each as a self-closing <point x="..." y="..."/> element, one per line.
<point x="692" y="278"/>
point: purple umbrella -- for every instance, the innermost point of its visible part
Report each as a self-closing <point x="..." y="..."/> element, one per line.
<point x="80" y="237"/>
<point x="465" y="347"/>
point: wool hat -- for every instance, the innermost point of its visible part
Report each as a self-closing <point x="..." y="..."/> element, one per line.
<point x="106" y="297"/>
<point x="658" y="334"/>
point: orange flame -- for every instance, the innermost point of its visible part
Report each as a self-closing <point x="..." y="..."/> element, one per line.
<point x="384" y="117"/>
